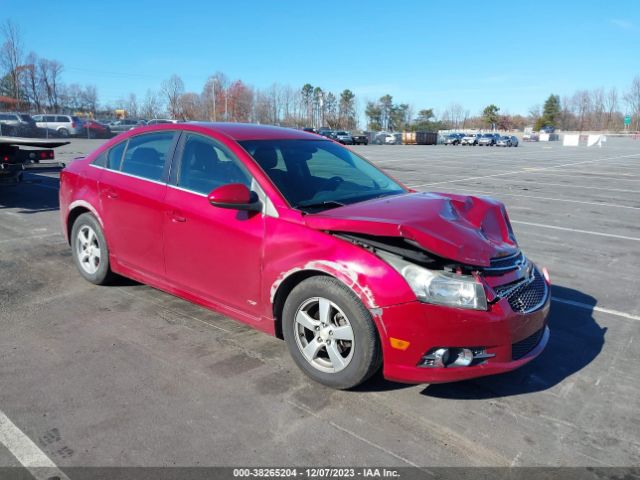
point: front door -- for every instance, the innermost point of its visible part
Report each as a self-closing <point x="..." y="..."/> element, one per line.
<point x="213" y="252"/>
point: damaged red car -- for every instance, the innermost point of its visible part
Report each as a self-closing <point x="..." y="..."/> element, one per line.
<point x="302" y="238"/>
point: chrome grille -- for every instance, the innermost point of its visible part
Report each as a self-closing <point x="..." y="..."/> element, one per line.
<point x="521" y="348"/>
<point x="499" y="265"/>
<point x="527" y="295"/>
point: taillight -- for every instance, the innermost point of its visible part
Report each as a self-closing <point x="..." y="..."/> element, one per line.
<point x="5" y="158"/>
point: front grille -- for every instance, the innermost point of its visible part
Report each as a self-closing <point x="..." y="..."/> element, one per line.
<point x="500" y="265"/>
<point x="521" y="348"/>
<point x="525" y="296"/>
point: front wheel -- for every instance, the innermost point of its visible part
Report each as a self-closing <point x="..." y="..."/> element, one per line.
<point x="89" y="249"/>
<point x="330" y="334"/>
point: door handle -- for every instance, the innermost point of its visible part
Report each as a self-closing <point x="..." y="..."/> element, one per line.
<point x="177" y="217"/>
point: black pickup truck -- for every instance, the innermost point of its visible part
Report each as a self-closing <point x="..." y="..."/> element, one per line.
<point x="13" y="158"/>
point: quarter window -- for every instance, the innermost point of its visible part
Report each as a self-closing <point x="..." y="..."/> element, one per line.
<point x="206" y="165"/>
<point x="145" y="155"/>
<point x="114" y="157"/>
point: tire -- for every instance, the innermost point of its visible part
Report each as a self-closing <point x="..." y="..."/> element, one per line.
<point x="342" y="363"/>
<point x="63" y="132"/>
<point x="92" y="264"/>
<point x="12" y="132"/>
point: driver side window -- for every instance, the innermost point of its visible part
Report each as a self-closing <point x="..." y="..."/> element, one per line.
<point x="205" y="165"/>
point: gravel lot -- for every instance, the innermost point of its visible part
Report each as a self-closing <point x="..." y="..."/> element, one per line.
<point x="131" y="376"/>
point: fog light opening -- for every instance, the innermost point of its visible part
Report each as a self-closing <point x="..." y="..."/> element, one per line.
<point x="462" y="357"/>
<point x="453" y="357"/>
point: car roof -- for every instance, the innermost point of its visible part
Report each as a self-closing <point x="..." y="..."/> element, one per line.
<point x="249" y="131"/>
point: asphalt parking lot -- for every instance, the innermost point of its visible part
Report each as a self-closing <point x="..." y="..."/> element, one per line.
<point x="130" y="376"/>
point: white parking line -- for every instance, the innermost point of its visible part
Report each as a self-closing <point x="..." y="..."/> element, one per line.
<point x="594" y="175"/>
<point x="586" y="306"/>
<point x="494" y="193"/>
<point x="27" y="452"/>
<point x="610" y="235"/>
<point x="569" y="185"/>
<point x="528" y="170"/>
<point x="31" y="237"/>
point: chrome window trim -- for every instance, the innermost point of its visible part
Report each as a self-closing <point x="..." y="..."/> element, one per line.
<point x="128" y="174"/>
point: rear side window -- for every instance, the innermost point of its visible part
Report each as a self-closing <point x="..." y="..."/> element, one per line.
<point x="114" y="157"/>
<point x="146" y="154"/>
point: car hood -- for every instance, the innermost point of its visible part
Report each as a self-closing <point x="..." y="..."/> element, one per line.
<point x="466" y="229"/>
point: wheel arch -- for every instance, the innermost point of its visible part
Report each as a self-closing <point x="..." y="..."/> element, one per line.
<point x="282" y="287"/>
<point x="76" y="209"/>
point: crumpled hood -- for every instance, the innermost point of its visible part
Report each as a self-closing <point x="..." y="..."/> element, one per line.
<point x="467" y="229"/>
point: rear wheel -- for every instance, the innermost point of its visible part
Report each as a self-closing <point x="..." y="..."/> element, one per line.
<point x="63" y="132"/>
<point x="330" y="334"/>
<point x="89" y="249"/>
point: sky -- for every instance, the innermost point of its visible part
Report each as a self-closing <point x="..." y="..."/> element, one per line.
<point x="425" y="53"/>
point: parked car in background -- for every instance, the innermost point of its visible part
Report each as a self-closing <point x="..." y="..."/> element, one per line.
<point x="305" y="129"/>
<point x="125" y="125"/>
<point x="453" y="139"/>
<point x="96" y="129"/>
<point x="61" y="125"/>
<point x="488" y="139"/>
<point x="385" y="138"/>
<point x="548" y="129"/>
<point x="325" y="132"/>
<point x="302" y="238"/>
<point x="360" y="139"/>
<point x="343" y="137"/>
<point x="470" y="139"/>
<point x="507" y="141"/>
<point x="158" y="121"/>
<point x="17" y="125"/>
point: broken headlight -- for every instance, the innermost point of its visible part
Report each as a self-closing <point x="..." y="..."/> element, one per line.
<point x="439" y="287"/>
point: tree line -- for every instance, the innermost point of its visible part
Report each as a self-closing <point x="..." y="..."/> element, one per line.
<point x="35" y="84"/>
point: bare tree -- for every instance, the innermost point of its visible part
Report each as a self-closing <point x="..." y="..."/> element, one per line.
<point x="50" y="71"/>
<point x="32" y="83"/>
<point x="632" y="98"/>
<point x="611" y="105"/>
<point x="172" y="89"/>
<point x="152" y="106"/>
<point x="131" y="106"/>
<point x="597" y="102"/>
<point x="90" y="98"/>
<point x="11" y="57"/>
<point x="190" y="106"/>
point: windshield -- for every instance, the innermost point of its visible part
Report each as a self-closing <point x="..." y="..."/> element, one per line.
<point x="315" y="175"/>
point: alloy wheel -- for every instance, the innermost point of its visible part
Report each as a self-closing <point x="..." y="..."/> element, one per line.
<point x="324" y="335"/>
<point x="88" y="249"/>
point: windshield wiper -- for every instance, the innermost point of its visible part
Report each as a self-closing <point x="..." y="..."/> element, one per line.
<point x="324" y="204"/>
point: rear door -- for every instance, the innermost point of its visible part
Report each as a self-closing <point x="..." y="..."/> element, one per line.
<point x="132" y="190"/>
<point x="212" y="252"/>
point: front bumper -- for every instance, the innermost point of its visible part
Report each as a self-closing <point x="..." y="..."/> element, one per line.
<point x="426" y="327"/>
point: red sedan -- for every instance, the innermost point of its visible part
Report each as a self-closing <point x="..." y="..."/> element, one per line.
<point x="94" y="129"/>
<point x="302" y="238"/>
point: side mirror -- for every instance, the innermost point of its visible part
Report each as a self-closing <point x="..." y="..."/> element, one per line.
<point x="235" y="196"/>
